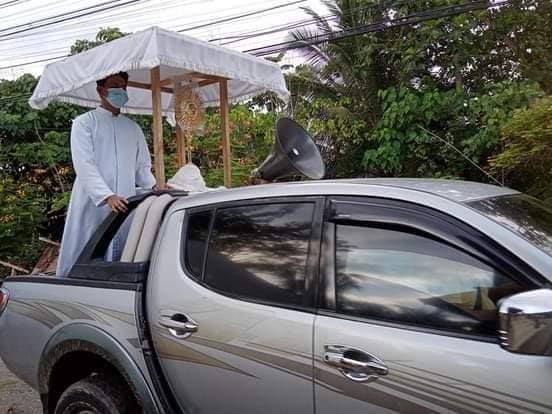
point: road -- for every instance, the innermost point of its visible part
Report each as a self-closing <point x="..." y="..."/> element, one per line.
<point x="16" y="397"/>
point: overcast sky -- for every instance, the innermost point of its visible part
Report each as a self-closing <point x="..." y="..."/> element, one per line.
<point x="56" y="40"/>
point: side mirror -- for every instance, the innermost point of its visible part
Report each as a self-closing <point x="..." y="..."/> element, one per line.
<point x="525" y="323"/>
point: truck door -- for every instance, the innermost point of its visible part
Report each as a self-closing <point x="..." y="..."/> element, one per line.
<point x="408" y="317"/>
<point x="230" y="302"/>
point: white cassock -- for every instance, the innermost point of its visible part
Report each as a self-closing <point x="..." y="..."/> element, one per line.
<point x="110" y="156"/>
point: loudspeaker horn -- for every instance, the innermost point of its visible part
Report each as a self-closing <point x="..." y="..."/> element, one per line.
<point x="294" y="152"/>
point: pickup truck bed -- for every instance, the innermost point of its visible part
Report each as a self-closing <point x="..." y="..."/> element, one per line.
<point x="97" y="310"/>
<point x="74" y="308"/>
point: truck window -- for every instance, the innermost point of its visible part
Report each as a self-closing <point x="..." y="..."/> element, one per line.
<point x="408" y="278"/>
<point x="260" y="251"/>
<point x="196" y="239"/>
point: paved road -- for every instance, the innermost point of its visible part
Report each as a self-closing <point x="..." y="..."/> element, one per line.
<point x="16" y="397"/>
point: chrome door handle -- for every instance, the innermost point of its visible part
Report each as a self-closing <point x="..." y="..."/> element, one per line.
<point x="355" y="364"/>
<point x="179" y="325"/>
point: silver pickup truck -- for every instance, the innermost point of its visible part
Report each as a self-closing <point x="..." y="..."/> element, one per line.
<point x="356" y="296"/>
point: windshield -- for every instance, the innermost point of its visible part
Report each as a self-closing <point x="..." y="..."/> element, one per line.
<point x="526" y="216"/>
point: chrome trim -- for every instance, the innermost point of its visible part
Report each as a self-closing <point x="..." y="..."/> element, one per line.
<point x="525" y="322"/>
<point x="5" y="299"/>
<point x="354" y="364"/>
<point x="179" y="325"/>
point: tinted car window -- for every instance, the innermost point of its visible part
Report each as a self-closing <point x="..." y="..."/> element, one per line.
<point x="524" y="215"/>
<point x="403" y="277"/>
<point x="196" y="239"/>
<point x="260" y="251"/>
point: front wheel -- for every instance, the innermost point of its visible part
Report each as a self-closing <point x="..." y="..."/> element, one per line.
<point x="97" y="394"/>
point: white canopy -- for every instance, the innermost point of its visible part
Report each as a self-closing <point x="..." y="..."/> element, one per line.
<point x="73" y="79"/>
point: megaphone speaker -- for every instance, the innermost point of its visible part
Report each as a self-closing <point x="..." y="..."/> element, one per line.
<point x="294" y="153"/>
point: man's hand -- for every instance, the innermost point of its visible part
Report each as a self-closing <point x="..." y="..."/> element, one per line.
<point x="117" y="204"/>
<point x="158" y="187"/>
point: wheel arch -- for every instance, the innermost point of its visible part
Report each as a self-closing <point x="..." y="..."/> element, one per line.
<point x="92" y="348"/>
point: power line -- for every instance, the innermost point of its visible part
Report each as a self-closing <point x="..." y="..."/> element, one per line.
<point x="33" y="62"/>
<point x="57" y="16"/>
<point x="435" y="13"/>
<point x="48" y="23"/>
<point x="61" y="34"/>
<point x="9" y="3"/>
<point x="139" y="9"/>
<point x="32" y="11"/>
<point x="313" y="20"/>
<point x="431" y="14"/>
<point x="244" y="36"/>
<point x="261" y="32"/>
<point x="472" y="162"/>
<point x="108" y="19"/>
<point x="227" y="19"/>
<point x="303" y="23"/>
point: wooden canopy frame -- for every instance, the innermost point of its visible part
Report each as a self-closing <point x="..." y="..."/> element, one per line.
<point x="168" y="85"/>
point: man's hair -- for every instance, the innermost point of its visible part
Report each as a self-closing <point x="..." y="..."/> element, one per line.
<point x="101" y="82"/>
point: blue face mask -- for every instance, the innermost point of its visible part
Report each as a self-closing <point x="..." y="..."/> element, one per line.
<point x="117" y="97"/>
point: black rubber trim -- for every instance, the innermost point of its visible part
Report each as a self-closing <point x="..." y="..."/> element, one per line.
<point x="153" y="363"/>
<point x="312" y="287"/>
<point x="313" y="257"/>
<point x="442" y="227"/>
<point x="90" y="263"/>
<point x="134" y="272"/>
<point x="326" y="281"/>
<point x="64" y="281"/>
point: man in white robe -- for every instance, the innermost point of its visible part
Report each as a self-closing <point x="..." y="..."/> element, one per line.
<point x="111" y="159"/>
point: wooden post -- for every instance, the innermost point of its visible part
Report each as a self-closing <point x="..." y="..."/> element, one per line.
<point x="157" y="126"/>
<point x="225" y="129"/>
<point x="180" y="138"/>
<point x="180" y="147"/>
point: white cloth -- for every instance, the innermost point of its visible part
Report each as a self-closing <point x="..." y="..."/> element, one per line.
<point x="110" y="156"/>
<point x="188" y="178"/>
<point x="73" y="79"/>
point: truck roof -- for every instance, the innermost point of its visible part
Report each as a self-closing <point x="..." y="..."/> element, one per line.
<point x="455" y="190"/>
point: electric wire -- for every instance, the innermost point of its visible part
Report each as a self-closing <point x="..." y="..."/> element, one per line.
<point x="338" y="35"/>
<point x="26" y="29"/>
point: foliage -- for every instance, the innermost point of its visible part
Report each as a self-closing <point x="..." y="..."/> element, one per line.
<point x="35" y="170"/>
<point x="21" y="218"/>
<point x="527" y="156"/>
<point x="339" y="133"/>
<point x="459" y="77"/>
<point x="252" y="136"/>
<point x="469" y="122"/>
<point x="104" y="35"/>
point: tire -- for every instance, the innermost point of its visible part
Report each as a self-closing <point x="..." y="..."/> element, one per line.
<point x="97" y="394"/>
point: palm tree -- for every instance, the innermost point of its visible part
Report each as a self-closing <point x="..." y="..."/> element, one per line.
<point x="354" y="66"/>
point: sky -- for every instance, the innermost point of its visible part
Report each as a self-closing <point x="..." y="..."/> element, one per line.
<point x="55" y="40"/>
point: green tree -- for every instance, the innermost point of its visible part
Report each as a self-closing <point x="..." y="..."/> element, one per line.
<point x="460" y="77"/>
<point x="527" y="156"/>
<point x="35" y="169"/>
<point x="105" y="35"/>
